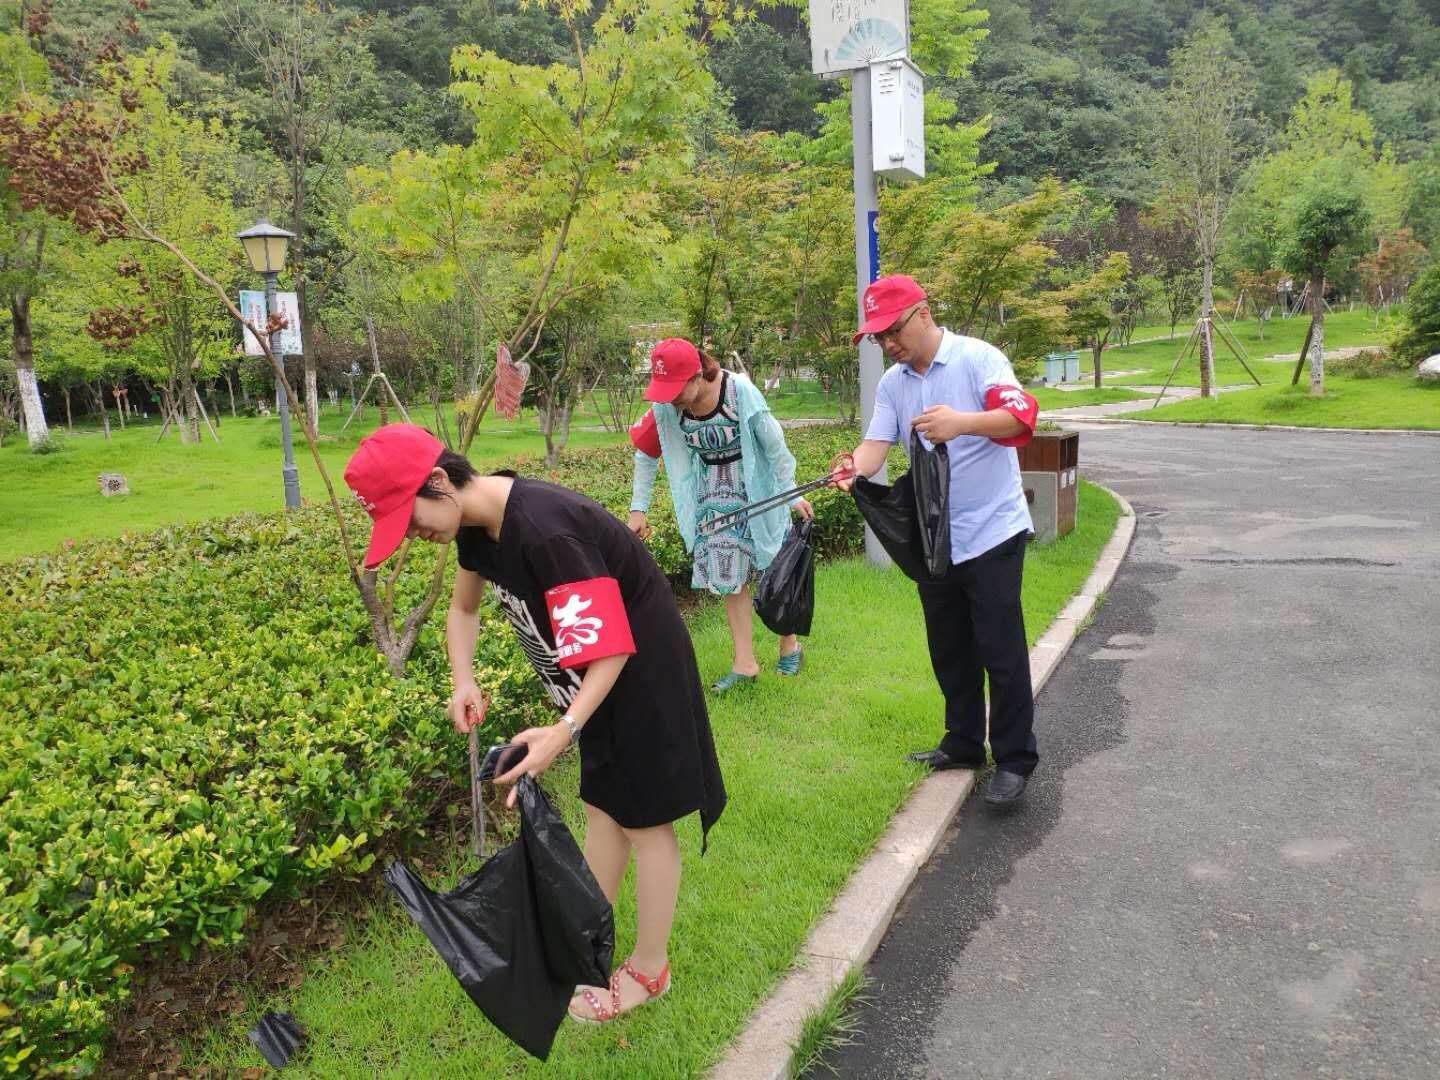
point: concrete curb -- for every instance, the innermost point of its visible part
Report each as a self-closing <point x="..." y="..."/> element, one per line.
<point x="1240" y="427"/>
<point x="849" y="934"/>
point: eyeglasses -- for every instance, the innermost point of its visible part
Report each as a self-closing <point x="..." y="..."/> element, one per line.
<point x="883" y="336"/>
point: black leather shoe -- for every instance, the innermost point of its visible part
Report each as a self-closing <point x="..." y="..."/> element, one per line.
<point x="1004" y="788"/>
<point x="938" y="760"/>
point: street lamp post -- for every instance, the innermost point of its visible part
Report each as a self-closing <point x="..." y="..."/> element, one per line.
<point x="266" y="246"/>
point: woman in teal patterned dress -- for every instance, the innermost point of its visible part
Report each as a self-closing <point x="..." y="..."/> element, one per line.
<point x="723" y="449"/>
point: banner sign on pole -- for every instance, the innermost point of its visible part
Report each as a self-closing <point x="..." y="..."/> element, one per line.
<point x="846" y="35"/>
<point x="252" y="307"/>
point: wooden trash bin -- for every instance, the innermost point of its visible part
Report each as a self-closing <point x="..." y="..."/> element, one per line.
<point x="1050" y="475"/>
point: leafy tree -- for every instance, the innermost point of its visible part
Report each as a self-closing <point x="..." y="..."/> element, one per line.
<point x="1325" y="216"/>
<point x="313" y="68"/>
<point x="131" y="295"/>
<point x="1201" y="151"/>
<point x="1387" y="272"/>
<point x="1325" y="129"/>
<point x="25" y="230"/>
<point x="1419" y="335"/>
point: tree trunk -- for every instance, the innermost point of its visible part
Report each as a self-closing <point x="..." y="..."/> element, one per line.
<point x="375" y="363"/>
<point x="1317" y="336"/>
<point x="190" y="429"/>
<point x="69" y="421"/>
<point x="122" y="403"/>
<point x="230" y="386"/>
<point x="312" y="393"/>
<point x="1207" y="344"/>
<point x="1097" y="349"/>
<point x="104" y="412"/>
<point x="36" y="430"/>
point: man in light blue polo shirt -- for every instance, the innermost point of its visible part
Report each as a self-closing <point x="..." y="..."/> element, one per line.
<point x="962" y="392"/>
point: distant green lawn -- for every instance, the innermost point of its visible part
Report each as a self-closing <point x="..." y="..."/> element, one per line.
<point x="46" y="499"/>
<point x="1397" y="401"/>
<point x="814" y="767"/>
<point x="1069" y="399"/>
<point x="1343" y="329"/>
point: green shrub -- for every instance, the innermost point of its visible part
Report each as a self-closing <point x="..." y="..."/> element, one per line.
<point x="193" y="720"/>
<point x="1419" y="333"/>
<point x="1369" y="364"/>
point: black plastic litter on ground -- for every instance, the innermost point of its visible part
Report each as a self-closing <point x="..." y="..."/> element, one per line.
<point x="785" y="594"/>
<point x="277" y="1036"/>
<point x="524" y="930"/>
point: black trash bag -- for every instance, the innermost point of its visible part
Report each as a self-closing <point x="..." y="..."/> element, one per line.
<point x="277" y="1036"/>
<point x="785" y="594"/>
<point x="911" y="518"/>
<point x="576" y="921"/>
<point x="532" y="905"/>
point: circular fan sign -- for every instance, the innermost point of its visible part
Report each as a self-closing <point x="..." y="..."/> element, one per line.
<point x="849" y="34"/>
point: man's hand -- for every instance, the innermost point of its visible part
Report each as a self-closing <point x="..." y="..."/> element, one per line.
<point x="865" y="460"/>
<point x="544" y="745"/>
<point x="803" y="508"/>
<point x="467" y="707"/>
<point x="636" y="523"/>
<point x="940" y="423"/>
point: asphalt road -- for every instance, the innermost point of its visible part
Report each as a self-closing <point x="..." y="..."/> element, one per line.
<point x="1228" y="863"/>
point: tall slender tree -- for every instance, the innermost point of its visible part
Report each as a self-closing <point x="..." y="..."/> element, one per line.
<point x="1202" y="150"/>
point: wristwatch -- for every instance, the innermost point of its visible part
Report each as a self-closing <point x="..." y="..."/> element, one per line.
<point x="574" y="728"/>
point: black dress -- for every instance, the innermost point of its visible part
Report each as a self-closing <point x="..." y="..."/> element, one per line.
<point x="647" y="756"/>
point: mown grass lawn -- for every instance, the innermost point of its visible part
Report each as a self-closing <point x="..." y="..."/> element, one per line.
<point x="46" y="499"/>
<point x="1343" y="329"/>
<point x="814" y="768"/>
<point x="1396" y="401"/>
<point x="1050" y="398"/>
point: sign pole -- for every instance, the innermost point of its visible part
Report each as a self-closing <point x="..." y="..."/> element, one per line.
<point x="867" y="267"/>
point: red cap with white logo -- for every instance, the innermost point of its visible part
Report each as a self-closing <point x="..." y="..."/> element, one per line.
<point x="886" y="299"/>
<point x="386" y="472"/>
<point x="673" y="363"/>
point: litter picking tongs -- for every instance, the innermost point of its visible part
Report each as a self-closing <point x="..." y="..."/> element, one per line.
<point x="842" y="467"/>
<point x="477" y="798"/>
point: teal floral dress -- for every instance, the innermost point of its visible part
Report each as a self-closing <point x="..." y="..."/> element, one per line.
<point x="724" y="561"/>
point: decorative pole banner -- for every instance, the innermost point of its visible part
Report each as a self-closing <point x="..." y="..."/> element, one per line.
<point x="510" y="380"/>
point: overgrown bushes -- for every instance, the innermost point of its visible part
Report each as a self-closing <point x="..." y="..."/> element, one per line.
<point x="193" y="720"/>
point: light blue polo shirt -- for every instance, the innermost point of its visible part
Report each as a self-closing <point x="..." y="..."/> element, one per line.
<point x="987" y="502"/>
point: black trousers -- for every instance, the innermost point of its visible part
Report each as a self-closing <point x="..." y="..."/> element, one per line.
<point x="976" y="628"/>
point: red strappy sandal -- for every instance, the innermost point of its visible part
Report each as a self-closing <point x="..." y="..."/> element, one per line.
<point x="656" y="988"/>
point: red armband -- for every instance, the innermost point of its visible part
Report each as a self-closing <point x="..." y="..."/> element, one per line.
<point x="645" y="436"/>
<point x="589" y="621"/>
<point x="1017" y="403"/>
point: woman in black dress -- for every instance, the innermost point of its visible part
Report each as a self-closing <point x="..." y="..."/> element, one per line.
<point x="599" y="623"/>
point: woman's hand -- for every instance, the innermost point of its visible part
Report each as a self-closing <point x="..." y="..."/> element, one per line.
<point x="637" y="524"/>
<point x="803" y="508"/>
<point x="467" y="707"/>
<point x="543" y="745"/>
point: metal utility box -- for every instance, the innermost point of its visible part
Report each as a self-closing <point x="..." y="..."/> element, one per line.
<point x="897" y="119"/>
<point x="1050" y="475"/>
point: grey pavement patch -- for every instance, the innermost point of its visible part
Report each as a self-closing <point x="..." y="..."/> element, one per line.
<point x="1073" y="419"/>
<point x="847" y="936"/>
<point x="1226" y="866"/>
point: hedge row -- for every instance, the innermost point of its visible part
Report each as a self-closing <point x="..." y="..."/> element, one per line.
<point x="192" y="720"/>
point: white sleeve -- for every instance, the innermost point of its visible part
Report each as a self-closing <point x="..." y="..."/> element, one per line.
<point x="884" y="424"/>
<point x="993" y="370"/>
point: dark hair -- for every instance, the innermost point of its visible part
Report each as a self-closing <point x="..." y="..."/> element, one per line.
<point x="709" y="367"/>
<point x="457" y="468"/>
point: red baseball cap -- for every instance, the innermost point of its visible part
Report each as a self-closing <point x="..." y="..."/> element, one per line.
<point x="387" y="470"/>
<point x="673" y="363"/>
<point x="885" y="299"/>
